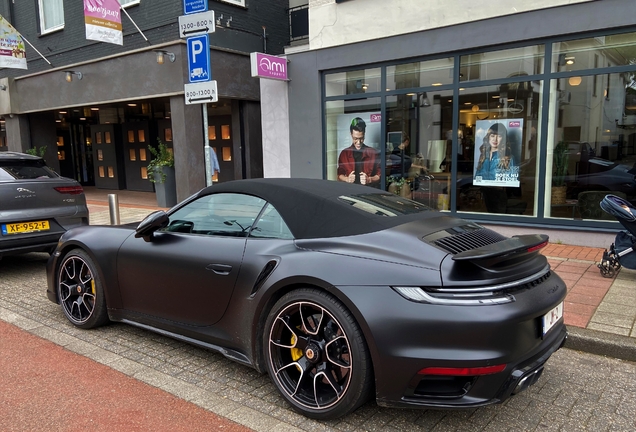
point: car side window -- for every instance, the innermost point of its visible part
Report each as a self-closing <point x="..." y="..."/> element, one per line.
<point x="225" y="214"/>
<point x="271" y="225"/>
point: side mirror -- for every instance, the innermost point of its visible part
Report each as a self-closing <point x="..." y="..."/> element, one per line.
<point x="153" y="222"/>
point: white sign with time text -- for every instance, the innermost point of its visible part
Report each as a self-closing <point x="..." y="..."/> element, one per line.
<point x="201" y="92"/>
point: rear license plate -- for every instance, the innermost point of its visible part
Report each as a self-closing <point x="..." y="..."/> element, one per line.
<point x="25" y="227"/>
<point x="552" y="317"/>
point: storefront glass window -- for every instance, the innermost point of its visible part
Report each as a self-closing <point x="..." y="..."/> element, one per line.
<point x="418" y="147"/>
<point x="497" y="158"/>
<point x="353" y="82"/>
<point x="601" y="51"/>
<point x="354" y="141"/>
<point x="591" y="145"/>
<point x="510" y="159"/>
<point x="420" y="74"/>
<point x="502" y="64"/>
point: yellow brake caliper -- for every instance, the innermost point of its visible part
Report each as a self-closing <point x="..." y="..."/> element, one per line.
<point x="93" y="286"/>
<point x="296" y="353"/>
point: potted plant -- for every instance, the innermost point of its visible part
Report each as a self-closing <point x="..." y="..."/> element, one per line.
<point x="36" y="151"/>
<point x="559" y="171"/>
<point x="161" y="172"/>
<point x="394" y="184"/>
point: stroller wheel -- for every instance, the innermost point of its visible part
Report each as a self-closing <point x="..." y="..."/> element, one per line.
<point x="607" y="269"/>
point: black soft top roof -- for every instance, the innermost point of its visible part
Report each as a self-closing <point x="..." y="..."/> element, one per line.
<point x="311" y="207"/>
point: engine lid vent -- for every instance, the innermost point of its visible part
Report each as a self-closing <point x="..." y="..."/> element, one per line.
<point x="469" y="240"/>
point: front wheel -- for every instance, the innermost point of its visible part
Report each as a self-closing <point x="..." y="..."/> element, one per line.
<point x="316" y="355"/>
<point x="80" y="291"/>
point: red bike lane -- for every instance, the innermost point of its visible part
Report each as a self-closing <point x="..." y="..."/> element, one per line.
<point x="43" y="386"/>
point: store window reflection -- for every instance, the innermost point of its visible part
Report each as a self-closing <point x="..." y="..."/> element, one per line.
<point x="497" y="160"/>
<point x="502" y="63"/>
<point x="600" y="51"/>
<point x="592" y="147"/>
<point x="418" y="147"/>
<point x="353" y="82"/>
<point x="420" y="74"/>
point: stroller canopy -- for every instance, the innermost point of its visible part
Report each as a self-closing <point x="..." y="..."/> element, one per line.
<point x="619" y="208"/>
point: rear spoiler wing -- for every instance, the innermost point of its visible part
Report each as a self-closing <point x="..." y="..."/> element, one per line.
<point x="513" y="246"/>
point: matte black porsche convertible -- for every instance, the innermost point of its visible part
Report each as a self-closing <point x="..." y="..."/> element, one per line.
<point x="337" y="291"/>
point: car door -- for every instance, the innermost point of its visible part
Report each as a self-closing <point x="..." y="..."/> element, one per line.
<point x="186" y="273"/>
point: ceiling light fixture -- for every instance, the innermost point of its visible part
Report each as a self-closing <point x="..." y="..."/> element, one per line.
<point x="575" y="80"/>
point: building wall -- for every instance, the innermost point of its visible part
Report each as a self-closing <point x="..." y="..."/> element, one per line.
<point x="157" y="19"/>
<point x="115" y="74"/>
<point x="332" y="24"/>
<point x="275" y="128"/>
<point x="305" y="103"/>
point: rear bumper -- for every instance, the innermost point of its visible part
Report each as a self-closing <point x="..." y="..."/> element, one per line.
<point x="39" y="243"/>
<point x="471" y="392"/>
<point x="407" y="338"/>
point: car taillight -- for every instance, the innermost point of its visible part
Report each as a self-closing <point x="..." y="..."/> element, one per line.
<point x="485" y="370"/>
<point x="537" y="247"/>
<point x="71" y="190"/>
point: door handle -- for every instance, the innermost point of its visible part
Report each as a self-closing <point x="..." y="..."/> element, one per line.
<point x="220" y="269"/>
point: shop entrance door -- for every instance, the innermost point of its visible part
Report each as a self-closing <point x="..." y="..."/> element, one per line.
<point x="109" y="167"/>
<point x="220" y="138"/>
<point x="135" y="137"/>
<point x="77" y="151"/>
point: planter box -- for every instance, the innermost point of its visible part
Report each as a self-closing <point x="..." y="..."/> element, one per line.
<point x="167" y="191"/>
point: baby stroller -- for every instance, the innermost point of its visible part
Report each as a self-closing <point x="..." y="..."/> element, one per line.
<point x="621" y="251"/>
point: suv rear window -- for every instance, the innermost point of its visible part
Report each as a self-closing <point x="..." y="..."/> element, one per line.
<point x="25" y="169"/>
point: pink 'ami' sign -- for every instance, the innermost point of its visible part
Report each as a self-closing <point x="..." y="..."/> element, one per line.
<point x="268" y="66"/>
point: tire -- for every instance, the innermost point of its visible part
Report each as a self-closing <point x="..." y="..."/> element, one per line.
<point x="80" y="291"/>
<point x="316" y="355"/>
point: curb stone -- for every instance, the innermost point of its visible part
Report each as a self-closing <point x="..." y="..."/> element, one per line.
<point x="601" y="343"/>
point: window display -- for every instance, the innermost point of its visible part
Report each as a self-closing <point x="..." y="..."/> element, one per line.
<point x="501" y="134"/>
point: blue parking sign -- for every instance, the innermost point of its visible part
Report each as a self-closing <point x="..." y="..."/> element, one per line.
<point x="199" y="58"/>
<point x="194" y="6"/>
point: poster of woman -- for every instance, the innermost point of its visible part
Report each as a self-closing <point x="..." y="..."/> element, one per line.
<point x="497" y="152"/>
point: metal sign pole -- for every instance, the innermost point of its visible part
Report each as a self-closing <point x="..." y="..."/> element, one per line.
<point x="206" y="138"/>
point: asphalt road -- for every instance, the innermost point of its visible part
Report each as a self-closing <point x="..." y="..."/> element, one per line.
<point x="577" y="391"/>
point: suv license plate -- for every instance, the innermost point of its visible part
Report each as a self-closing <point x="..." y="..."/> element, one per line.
<point x="25" y="227"/>
<point x="552" y="317"/>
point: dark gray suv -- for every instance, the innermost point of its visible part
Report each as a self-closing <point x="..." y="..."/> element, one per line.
<point x="36" y="204"/>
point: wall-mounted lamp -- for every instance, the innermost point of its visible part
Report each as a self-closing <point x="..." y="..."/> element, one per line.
<point x="69" y="75"/>
<point x="162" y="54"/>
<point x="3" y="87"/>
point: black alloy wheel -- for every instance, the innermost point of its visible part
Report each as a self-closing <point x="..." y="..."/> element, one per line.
<point x="80" y="291"/>
<point x="316" y="355"/>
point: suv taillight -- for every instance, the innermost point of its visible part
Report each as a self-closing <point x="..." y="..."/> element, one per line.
<point x="71" y="190"/>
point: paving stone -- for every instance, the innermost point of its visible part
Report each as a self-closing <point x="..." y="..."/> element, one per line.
<point x="578" y="391"/>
